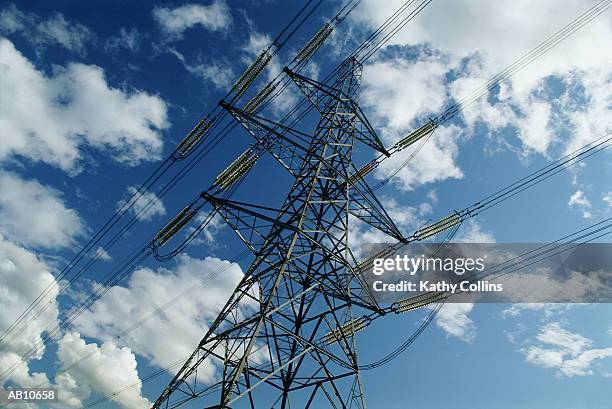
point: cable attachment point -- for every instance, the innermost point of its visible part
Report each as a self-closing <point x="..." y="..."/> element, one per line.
<point x="437" y="227"/>
<point x="361" y="173"/>
<point x="175" y="225"/>
<point x="239" y="167"/>
<point x="353" y="326"/>
<point x="192" y="138"/>
<point x="314" y="43"/>
<point x="421" y="300"/>
<point x="417" y="134"/>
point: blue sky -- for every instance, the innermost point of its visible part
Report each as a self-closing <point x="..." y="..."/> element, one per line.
<point x="93" y="97"/>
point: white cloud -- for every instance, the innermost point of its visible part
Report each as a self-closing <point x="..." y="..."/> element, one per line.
<point x="214" y="17"/>
<point x="102" y="254"/>
<point x="474" y="44"/>
<point x="398" y="91"/>
<point x="51" y="117"/>
<point x="533" y="128"/>
<point x="85" y="367"/>
<point x="435" y="162"/>
<point x="146" y="206"/>
<point x="406" y="218"/>
<point x="22" y="278"/>
<point x="553" y="334"/>
<point x="549" y="309"/>
<point x="480" y="26"/>
<point x="591" y="119"/>
<point x="208" y="236"/>
<point x="471" y="232"/>
<point x="36" y="215"/>
<point x="362" y="233"/>
<point x="454" y="321"/>
<point x="126" y="39"/>
<point x="567" y="352"/>
<point x="55" y="30"/>
<point x="256" y="44"/>
<point x="432" y="195"/>
<point x="543" y="284"/>
<point x="579" y="201"/>
<point x="607" y="198"/>
<point x="12" y="19"/>
<point x="222" y="76"/>
<point x="167" y="329"/>
<point x="105" y="370"/>
<point x="495" y="116"/>
<point x="58" y="30"/>
<point x="19" y="371"/>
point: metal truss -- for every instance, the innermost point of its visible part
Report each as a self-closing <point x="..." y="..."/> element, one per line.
<point x="286" y="337"/>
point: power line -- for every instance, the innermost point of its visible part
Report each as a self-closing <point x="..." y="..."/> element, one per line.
<point x="339" y="17"/>
<point x="39" y="301"/>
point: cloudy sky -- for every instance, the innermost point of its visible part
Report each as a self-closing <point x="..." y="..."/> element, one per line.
<point x="94" y="97"/>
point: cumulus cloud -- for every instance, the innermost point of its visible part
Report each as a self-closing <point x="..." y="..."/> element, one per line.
<point x="56" y="30"/>
<point x="579" y="201"/>
<point x="102" y="254"/>
<point x="51" y="117"/>
<point x="590" y="120"/>
<point x="104" y="369"/>
<point x="607" y="198"/>
<point x="213" y="17"/>
<point x="208" y="236"/>
<point x="146" y="206"/>
<point x="162" y="314"/>
<point x="471" y="232"/>
<point x="480" y="26"/>
<point x="434" y="162"/>
<point x="570" y="354"/>
<point x="458" y="47"/>
<point x="533" y="129"/>
<point x="19" y="371"/>
<point x="399" y="90"/>
<point x="22" y="278"/>
<point x="36" y="215"/>
<point x="453" y="319"/>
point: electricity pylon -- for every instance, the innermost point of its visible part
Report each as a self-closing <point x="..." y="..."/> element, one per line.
<point x="286" y="337"/>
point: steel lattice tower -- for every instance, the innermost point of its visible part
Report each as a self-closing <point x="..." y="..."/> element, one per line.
<point x="286" y="337"/>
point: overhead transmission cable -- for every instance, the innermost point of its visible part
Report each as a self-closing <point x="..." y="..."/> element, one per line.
<point x="425" y="131"/>
<point x="433" y="312"/>
<point x="90" y="246"/>
<point x="517" y="263"/>
<point x="489" y="201"/>
<point x="552" y="168"/>
<point x="338" y="18"/>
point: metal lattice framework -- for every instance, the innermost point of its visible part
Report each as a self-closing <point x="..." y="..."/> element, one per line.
<point x="286" y="337"/>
